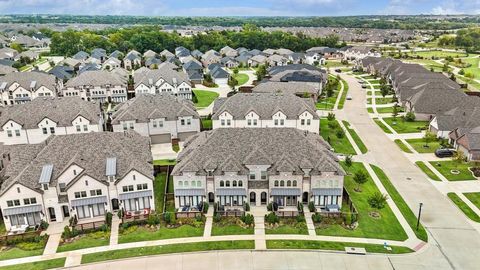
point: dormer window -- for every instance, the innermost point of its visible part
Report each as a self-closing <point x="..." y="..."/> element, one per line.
<point x="74" y="172"/>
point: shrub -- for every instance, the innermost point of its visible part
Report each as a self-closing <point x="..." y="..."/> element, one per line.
<point x="300" y="207"/>
<point x="104" y="228"/>
<point x="153" y="220"/>
<point x="311" y="207"/>
<point x="271" y="218"/>
<point x="248" y="219"/>
<point x="377" y="200"/>
<point x="332" y="124"/>
<point x="205" y="207"/>
<point x="67" y="233"/>
<point x="217" y="217"/>
<point x="168" y="217"/>
<point x="199" y="218"/>
<point x="269" y="207"/>
<point x="409" y="117"/>
<point x="331" y="116"/>
<point x="108" y="218"/>
<point x="348" y="160"/>
<point x="43" y="225"/>
<point x="300" y="218"/>
<point x="317" y="218"/>
<point x="247" y="207"/>
<point x="348" y="219"/>
<point x="120" y="213"/>
<point x="340" y="133"/>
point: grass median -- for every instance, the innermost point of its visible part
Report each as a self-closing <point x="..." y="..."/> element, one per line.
<point x="326" y="245"/>
<point x="355" y="137"/>
<point x="427" y="171"/>
<point x="166" y="249"/>
<point x="463" y="207"/>
<point x="41" y="265"/>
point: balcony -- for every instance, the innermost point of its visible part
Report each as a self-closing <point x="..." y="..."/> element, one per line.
<point x="258" y="184"/>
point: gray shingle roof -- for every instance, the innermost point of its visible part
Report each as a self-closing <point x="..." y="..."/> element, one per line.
<point x="146" y="106"/>
<point x="95" y="78"/>
<point x="90" y="151"/>
<point x="25" y="80"/>
<point x="163" y="72"/>
<point x="228" y="148"/>
<point x="263" y="104"/>
<point x="436" y="97"/>
<point x="61" y="110"/>
<point x="296" y="88"/>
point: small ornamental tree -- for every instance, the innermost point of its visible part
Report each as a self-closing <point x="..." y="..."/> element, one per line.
<point x="360" y="178"/>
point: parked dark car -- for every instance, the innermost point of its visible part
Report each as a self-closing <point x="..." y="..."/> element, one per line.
<point x="338" y="70"/>
<point x="364" y="86"/>
<point x="444" y="152"/>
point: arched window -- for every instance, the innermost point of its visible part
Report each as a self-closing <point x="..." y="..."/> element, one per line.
<point x="193" y="183"/>
<point x="234" y="183"/>
<point x="222" y="183"/>
<point x="294" y="183"/>
<point x="185" y="184"/>
<point x="227" y="183"/>
<point x="276" y="183"/>
<point x="282" y="183"/>
<point x="289" y="183"/>
<point x="199" y="184"/>
<point x="240" y="183"/>
<point x="180" y="183"/>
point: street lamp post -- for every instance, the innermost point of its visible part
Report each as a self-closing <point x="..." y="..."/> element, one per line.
<point x="419" y="214"/>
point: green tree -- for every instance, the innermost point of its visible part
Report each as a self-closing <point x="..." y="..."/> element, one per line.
<point x="428" y="137"/>
<point x="16" y="47"/>
<point x="360" y="178"/>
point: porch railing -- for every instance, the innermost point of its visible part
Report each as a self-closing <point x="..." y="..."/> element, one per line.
<point x="89" y="225"/>
<point x="189" y="214"/>
<point x="4" y="239"/>
<point x="233" y="213"/>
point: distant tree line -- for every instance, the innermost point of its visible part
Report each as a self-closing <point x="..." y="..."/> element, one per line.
<point x="468" y="39"/>
<point x="143" y="38"/>
<point x="379" y="22"/>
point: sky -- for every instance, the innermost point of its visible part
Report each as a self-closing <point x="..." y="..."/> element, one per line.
<point x="240" y="7"/>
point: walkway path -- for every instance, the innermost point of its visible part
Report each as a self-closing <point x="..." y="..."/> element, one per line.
<point x="310" y="225"/>
<point x="259" y="219"/>
<point x="208" y="224"/>
<point x="114" y="231"/>
<point x="52" y="244"/>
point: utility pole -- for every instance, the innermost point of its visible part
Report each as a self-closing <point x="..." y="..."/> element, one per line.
<point x="419" y="214"/>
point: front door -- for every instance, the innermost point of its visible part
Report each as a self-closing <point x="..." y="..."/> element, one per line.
<point x="263" y="198"/>
<point x="305" y="198"/>
<point x="51" y="212"/>
<point x="66" y="213"/>
<point x="211" y="197"/>
<point x="253" y="198"/>
<point x="115" y="205"/>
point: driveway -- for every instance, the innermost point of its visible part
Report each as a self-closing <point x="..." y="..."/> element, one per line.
<point x="164" y="151"/>
<point x="451" y="234"/>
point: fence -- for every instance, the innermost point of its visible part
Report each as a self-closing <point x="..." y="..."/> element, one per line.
<point x="89" y="226"/>
<point x="190" y="214"/>
<point x="234" y="213"/>
<point x="4" y="239"/>
<point x="286" y="213"/>
<point x="135" y="218"/>
<point x="346" y="201"/>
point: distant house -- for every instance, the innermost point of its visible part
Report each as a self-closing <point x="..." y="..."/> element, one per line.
<point x="313" y="58"/>
<point x="161" y="117"/>
<point x="32" y="55"/>
<point x="149" y="54"/>
<point x="360" y="52"/>
<point x="211" y="57"/>
<point x="132" y="59"/>
<point x="63" y="73"/>
<point x="277" y="60"/>
<point x="111" y="63"/>
<point x="219" y="75"/>
<point x="163" y="80"/>
<point x="264" y="110"/>
<point x="300" y="89"/>
<point x="6" y="70"/>
<point x="101" y="86"/>
<point x="167" y="54"/>
<point x="197" y="54"/>
<point x="257" y="60"/>
<point x="21" y="87"/>
<point x="8" y="53"/>
<point x="152" y="62"/>
<point x="296" y="58"/>
<point x="99" y="54"/>
<point x="229" y="62"/>
<point x="228" y="52"/>
<point x="117" y="54"/>
<point x="81" y="56"/>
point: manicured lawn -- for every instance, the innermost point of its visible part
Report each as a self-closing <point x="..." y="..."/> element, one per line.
<point x="402" y="126"/>
<point x="427" y="171"/>
<point x="340" y="246"/>
<point x="231" y="229"/>
<point x="389" y="109"/>
<point x="288" y="226"/>
<point x="16" y="252"/>
<point x="327" y="103"/>
<point x="385" y="227"/>
<point x="355" y="137"/>
<point x="419" y="145"/>
<point x="88" y="240"/>
<point x="242" y="78"/>
<point x="332" y="63"/>
<point x="340" y="145"/>
<point x="382" y="126"/>
<point x="447" y="166"/>
<point x="141" y="233"/>
<point x="380" y="100"/>
<point x="42" y="265"/>
<point x="166" y="249"/>
<point x="463" y="207"/>
<point x="341" y="103"/>
<point x="204" y="97"/>
<point x="474" y="68"/>
<point x="370" y="110"/>
<point x="207" y="124"/>
<point x="159" y="190"/>
<point x="402" y="146"/>
<point x="374" y="81"/>
<point x="474" y="197"/>
<point x="165" y="162"/>
<point x="369" y="77"/>
<point x="438" y="54"/>
<point x="401" y="204"/>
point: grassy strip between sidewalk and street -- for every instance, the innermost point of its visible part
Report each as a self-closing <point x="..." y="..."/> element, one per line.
<point x="402" y="126"/>
<point x="474" y="197"/>
<point x="407" y="213"/>
<point x="41" y="265"/>
<point x="344" y="94"/>
<point x="402" y="146"/>
<point x="166" y="249"/>
<point x="355" y="137"/>
<point x="326" y="245"/>
<point x="419" y="145"/>
<point x="427" y="171"/>
<point x="382" y="126"/>
<point x="463" y="207"/>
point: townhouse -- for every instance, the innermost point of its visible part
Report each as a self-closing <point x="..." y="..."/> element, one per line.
<point x="21" y="87"/>
<point x="163" y="80"/>
<point x="263" y="110"/>
<point x="161" y="117"/>
<point x="234" y="166"/>
<point x="299" y="89"/>
<point x="35" y="121"/>
<point x="79" y="175"/>
<point x="99" y="85"/>
<point x="359" y="52"/>
<point x="132" y="60"/>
